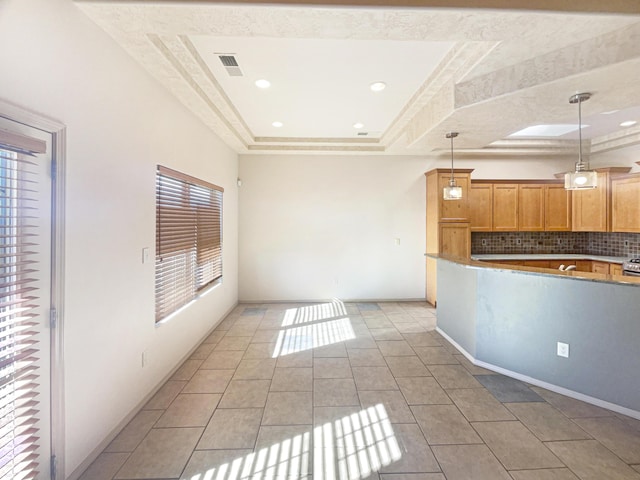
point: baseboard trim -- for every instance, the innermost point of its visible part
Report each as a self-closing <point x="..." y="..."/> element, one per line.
<point x="539" y="383"/>
<point x="114" y="433"/>
<point x="350" y="300"/>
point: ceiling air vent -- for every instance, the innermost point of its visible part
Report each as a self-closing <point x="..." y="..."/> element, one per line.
<point x="363" y="134"/>
<point x="231" y="65"/>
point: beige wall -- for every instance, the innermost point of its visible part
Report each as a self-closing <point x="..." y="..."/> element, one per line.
<point x="317" y="227"/>
<point x="120" y="124"/>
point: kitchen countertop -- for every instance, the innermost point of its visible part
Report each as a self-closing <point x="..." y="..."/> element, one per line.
<point x="547" y="256"/>
<point x="484" y="262"/>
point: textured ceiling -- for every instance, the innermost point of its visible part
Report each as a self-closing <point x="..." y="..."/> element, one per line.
<point x="484" y="73"/>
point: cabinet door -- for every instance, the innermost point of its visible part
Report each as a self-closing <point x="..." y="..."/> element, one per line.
<point x="455" y="239"/>
<point x="584" y="265"/>
<point x="530" y="208"/>
<point x="557" y="208"/>
<point x="481" y="206"/>
<point x="505" y="207"/>
<point x="591" y="207"/>
<point x="615" y="269"/>
<point x="454" y="210"/>
<point x="600" y="267"/>
<point x="625" y="204"/>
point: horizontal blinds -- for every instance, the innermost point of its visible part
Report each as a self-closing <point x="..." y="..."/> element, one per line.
<point x="19" y="352"/>
<point x="188" y="238"/>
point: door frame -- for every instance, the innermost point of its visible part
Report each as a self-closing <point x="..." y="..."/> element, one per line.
<point x="57" y="130"/>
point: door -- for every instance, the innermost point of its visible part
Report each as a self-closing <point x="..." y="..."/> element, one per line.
<point x="25" y="301"/>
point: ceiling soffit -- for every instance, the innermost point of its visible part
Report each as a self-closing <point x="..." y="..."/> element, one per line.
<point x="474" y="80"/>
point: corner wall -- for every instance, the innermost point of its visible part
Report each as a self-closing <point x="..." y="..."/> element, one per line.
<point x="120" y="125"/>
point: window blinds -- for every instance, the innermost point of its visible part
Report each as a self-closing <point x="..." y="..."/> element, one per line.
<point x="19" y="300"/>
<point x="188" y="238"/>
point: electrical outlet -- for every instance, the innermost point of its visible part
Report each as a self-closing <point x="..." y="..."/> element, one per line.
<point x="484" y="242"/>
<point x="518" y="241"/>
<point x="397" y="241"/>
<point x="626" y="243"/>
<point x="563" y="350"/>
<point x="559" y="241"/>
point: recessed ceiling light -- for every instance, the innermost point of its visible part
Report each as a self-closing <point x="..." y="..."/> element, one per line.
<point x="546" y="131"/>
<point x="358" y="125"/>
<point x="610" y="112"/>
<point x="262" y="83"/>
<point x="378" y="86"/>
<point x="277" y="124"/>
<point x="628" y="123"/>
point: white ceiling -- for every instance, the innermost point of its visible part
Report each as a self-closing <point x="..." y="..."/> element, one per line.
<point x="484" y="73"/>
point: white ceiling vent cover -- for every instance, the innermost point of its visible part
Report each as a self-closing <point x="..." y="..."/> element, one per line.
<point x="231" y="65"/>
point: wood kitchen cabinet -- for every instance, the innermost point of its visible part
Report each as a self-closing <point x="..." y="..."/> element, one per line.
<point x="557" y="208"/>
<point x="625" y="204"/>
<point x="531" y="210"/>
<point x="591" y="209"/>
<point x="455" y="239"/>
<point x="448" y="227"/>
<point x="600" y="267"/>
<point x="481" y="207"/>
<point x="505" y="207"/>
<point x="615" y="269"/>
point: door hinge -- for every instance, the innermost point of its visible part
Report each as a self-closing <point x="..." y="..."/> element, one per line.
<point x="53" y="318"/>
<point x="54" y="466"/>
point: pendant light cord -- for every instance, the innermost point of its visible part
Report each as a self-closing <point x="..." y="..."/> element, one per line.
<point x="451" y="160"/>
<point x="580" y="164"/>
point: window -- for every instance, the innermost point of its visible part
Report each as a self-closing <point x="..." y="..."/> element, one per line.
<point x="23" y="294"/>
<point x="188" y="238"/>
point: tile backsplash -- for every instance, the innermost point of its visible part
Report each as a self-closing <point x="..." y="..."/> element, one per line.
<point x="594" y="243"/>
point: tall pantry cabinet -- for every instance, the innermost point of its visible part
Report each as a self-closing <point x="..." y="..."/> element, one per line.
<point x="448" y="222"/>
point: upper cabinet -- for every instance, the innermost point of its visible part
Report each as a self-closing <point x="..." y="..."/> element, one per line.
<point x="531" y="212"/>
<point x="557" y="208"/>
<point x="481" y="206"/>
<point x="591" y="207"/>
<point x="625" y="203"/>
<point x="454" y="210"/>
<point x="505" y="207"/>
<point x="592" y="210"/>
<point x="525" y="205"/>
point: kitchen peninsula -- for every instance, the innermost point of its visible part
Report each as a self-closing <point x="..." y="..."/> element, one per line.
<point x="510" y="319"/>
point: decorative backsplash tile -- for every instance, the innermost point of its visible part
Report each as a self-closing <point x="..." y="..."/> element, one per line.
<point x="594" y="243"/>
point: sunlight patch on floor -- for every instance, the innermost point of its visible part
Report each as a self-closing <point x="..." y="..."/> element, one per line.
<point x="313" y="313"/>
<point x="349" y="448"/>
<point x="315" y="335"/>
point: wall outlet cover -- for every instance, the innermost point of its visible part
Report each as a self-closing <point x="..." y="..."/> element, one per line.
<point x="563" y="350"/>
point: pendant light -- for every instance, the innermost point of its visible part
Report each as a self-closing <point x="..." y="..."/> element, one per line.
<point x="582" y="178"/>
<point x="452" y="191"/>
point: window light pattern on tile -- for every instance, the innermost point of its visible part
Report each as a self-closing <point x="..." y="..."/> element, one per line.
<point x="352" y="447"/>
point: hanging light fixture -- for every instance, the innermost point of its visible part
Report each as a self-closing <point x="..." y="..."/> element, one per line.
<point x="452" y="191"/>
<point x="582" y="178"/>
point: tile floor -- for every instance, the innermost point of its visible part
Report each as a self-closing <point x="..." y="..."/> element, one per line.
<point x="358" y="391"/>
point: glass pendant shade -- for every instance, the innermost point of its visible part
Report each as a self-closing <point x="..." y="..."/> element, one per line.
<point x="452" y="191"/>
<point x="580" y="180"/>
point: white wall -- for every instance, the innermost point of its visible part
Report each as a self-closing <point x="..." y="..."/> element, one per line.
<point x="317" y="227"/>
<point x="120" y="124"/>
